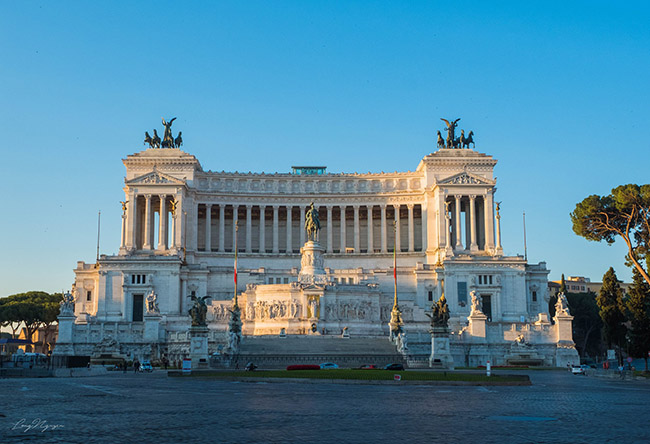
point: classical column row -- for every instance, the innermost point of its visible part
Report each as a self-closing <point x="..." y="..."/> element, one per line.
<point x="142" y="226"/>
<point x="257" y="228"/>
<point x="472" y="227"/>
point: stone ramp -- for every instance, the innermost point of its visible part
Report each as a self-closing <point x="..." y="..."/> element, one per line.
<point x="277" y="352"/>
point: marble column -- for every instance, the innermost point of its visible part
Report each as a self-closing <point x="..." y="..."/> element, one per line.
<point x="235" y="219"/>
<point x="330" y="247"/>
<point x="472" y="220"/>
<point x="147" y="223"/>
<point x="459" y="237"/>
<point x="357" y="241"/>
<point x="289" y="230"/>
<point x="370" y="231"/>
<point x="499" y="249"/>
<point x="262" y="229"/>
<point x="342" y="229"/>
<point x="222" y="228"/>
<point x="384" y="239"/>
<point x="276" y="227"/>
<point x="398" y="229"/>
<point x="411" y="228"/>
<point x="489" y="221"/>
<point x="123" y="232"/>
<point x="302" y="226"/>
<point x="208" y="227"/>
<point x="249" y="228"/>
<point x="449" y="251"/>
<point x="162" y="223"/>
<point x="131" y="216"/>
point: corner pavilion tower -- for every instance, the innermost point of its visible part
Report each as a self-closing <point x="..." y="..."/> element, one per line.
<point x="178" y="234"/>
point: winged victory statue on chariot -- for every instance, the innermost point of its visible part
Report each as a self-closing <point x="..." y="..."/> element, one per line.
<point x="453" y="142"/>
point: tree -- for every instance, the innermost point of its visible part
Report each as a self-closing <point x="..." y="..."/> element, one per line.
<point x="33" y="309"/>
<point x="624" y="213"/>
<point x="610" y="303"/>
<point x="638" y="310"/>
<point x="586" y="322"/>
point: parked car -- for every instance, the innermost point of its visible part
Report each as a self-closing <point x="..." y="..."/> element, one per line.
<point x="146" y="367"/>
<point x="368" y="367"/>
<point x="394" y="367"/>
<point x="250" y="367"/>
<point x="328" y="366"/>
<point x="577" y="370"/>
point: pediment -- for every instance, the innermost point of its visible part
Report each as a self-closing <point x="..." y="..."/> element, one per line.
<point x="466" y="178"/>
<point x="155" y="178"/>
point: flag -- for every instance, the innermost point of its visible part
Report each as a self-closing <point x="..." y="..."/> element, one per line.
<point x="235" y="271"/>
<point x="395" y="265"/>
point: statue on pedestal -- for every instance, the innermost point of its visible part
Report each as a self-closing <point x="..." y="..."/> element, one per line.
<point x="477" y="303"/>
<point x="168" y="139"/>
<point x="312" y="223"/>
<point x="561" y="306"/>
<point x="152" y="303"/>
<point x="440" y="313"/>
<point x="199" y="311"/>
<point x="67" y="305"/>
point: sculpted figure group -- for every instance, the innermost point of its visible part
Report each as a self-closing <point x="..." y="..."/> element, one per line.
<point x="453" y="141"/>
<point x="168" y="140"/>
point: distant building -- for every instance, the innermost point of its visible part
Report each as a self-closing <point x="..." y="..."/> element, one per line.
<point x="580" y="284"/>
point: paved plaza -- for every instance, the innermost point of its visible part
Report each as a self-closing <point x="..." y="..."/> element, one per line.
<point x="152" y="408"/>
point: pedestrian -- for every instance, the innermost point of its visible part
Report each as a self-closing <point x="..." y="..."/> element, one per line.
<point x="136" y="366"/>
<point x="124" y="367"/>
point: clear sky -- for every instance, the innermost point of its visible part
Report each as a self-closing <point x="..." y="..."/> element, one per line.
<point x="558" y="92"/>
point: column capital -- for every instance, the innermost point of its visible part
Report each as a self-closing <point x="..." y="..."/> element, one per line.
<point x="410" y="206"/>
<point x="356" y="207"/>
<point x="458" y="196"/>
<point x="162" y="196"/>
<point x="276" y="207"/>
<point x="249" y="206"/>
<point x="147" y="196"/>
<point x="472" y="196"/>
<point x="397" y="205"/>
<point x="383" y="206"/>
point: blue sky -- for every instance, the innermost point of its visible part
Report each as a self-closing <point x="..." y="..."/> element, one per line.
<point x="557" y="92"/>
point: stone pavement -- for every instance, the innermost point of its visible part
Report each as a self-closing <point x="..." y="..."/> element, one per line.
<point x="151" y="408"/>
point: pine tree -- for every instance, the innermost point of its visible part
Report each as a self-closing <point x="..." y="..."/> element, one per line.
<point x="638" y="310"/>
<point x="610" y="302"/>
<point x="562" y="285"/>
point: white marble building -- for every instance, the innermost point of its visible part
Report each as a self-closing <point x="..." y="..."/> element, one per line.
<point x="178" y="237"/>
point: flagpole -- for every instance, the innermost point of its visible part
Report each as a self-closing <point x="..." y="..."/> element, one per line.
<point x="395" y="261"/>
<point x="236" y="248"/>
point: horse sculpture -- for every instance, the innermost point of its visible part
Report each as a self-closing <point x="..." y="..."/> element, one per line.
<point x="179" y="140"/>
<point x="441" y="141"/>
<point x="451" y="126"/>
<point x="470" y="139"/>
<point x="155" y="140"/>
<point x="148" y="139"/>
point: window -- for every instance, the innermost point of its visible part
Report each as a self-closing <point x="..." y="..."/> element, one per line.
<point x="89" y="295"/>
<point x="534" y="296"/>
<point x="430" y="295"/>
<point x="286" y="280"/>
<point x="138" y="279"/>
<point x="485" y="279"/>
<point x="462" y="293"/>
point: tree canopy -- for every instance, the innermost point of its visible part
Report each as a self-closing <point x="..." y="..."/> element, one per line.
<point x="638" y="310"/>
<point x="624" y="213"/>
<point x="34" y="309"/>
<point x="610" y="303"/>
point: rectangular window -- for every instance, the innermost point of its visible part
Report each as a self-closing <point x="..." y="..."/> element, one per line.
<point x="133" y="278"/>
<point x="430" y="296"/>
<point x="534" y="296"/>
<point x="462" y="293"/>
<point x="138" y="307"/>
<point x="490" y="279"/>
<point x="286" y="280"/>
<point x="89" y="295"/>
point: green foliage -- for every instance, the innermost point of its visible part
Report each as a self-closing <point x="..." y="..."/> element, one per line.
<point x="624" y="213"/>
<point x="34" y="308"/>
<point x="638" y="311"/>
<point x="612" y="309"/>
<point x="586" y="323"/>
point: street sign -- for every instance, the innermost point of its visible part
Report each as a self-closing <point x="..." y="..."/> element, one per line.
<point x="629" y="359"/>
<point x="397" y="377"/>
<point x="187" y="366"/>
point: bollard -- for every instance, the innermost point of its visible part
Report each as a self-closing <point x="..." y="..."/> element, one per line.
<point x="488" y="368"/>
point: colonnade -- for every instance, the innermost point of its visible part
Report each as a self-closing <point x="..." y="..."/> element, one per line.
<point x="140" y="232"/>
<point x="280" y="228"/>
<point x="470" y="222"/>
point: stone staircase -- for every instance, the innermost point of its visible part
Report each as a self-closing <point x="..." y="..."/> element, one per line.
<point x="279" y="352"/>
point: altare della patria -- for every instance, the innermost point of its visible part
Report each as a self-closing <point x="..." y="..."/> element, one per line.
<point x="308" y="266"/>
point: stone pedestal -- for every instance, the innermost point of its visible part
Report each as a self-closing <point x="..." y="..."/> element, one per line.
<point x="199" y="347"/>
<point x="440" y="351"/>
<point x="64" y="344"/>
<point x="478" y="325"/>
<point x="152" y="328"/>
<point x="566" y="352"/>
<point x="312" y="269"/>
